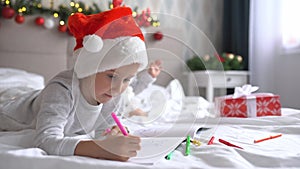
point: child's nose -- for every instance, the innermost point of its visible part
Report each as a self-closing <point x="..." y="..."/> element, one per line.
<point x="117" y="88"/>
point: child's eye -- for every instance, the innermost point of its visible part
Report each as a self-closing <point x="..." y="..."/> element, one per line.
<point x="127" y="80"/>
<point x="111" y="76"/>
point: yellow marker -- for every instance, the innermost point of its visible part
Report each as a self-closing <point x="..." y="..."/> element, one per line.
<point x="196" y="142"/>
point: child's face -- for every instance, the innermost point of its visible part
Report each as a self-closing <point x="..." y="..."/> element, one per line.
<point x="112" y="83"/>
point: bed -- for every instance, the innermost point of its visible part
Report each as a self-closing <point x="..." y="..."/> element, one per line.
<point x="282" y="152"/>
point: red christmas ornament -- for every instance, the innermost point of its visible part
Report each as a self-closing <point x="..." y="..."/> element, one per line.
<point x="7" y="12"/>
<point x="39" y="20"/>
<point x="117" y="3"/>
<point x="19" y="19"/>
<point x="158" y="35"/>
<point x="62" y="28"/>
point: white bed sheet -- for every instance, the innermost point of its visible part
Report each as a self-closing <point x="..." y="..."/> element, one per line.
<point x="282" y="152"/>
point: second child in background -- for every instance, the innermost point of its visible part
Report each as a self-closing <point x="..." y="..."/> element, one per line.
<point x="146" y="78"/>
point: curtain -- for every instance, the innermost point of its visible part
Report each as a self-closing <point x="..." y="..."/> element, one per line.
<point x="271" y="68"/>
<point x="265" y="42"/>
<point x="236" y="28"/>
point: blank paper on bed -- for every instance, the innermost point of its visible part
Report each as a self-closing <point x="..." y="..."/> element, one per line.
<point x="156" y="148"/>
<point x="170" y="130"/>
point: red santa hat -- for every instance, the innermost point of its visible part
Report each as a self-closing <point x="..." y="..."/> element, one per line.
<point x="106" y="41"/>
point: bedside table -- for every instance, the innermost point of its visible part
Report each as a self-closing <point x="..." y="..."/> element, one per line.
<point x="215" y="79"/>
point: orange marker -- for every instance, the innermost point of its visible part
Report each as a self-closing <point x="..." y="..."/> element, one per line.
<point x="268" y="138"/>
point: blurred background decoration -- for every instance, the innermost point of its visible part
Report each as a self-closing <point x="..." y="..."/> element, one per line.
<point x="226" y="61"/>
<point x="50" y="17"/>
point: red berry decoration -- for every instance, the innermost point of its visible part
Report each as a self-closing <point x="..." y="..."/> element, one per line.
<point x="158" y="35"/>
<point x="7" y="12"/>
<point x="62" y="28"/>
<point x="19" y="19"/>
<point x="39" y="20"/>
<point x="117" y="3"/>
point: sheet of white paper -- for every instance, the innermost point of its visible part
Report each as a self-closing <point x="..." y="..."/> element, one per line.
<point x="170" y="130"/>
<point x="156" y="148"/>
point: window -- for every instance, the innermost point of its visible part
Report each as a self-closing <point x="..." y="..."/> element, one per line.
<point x="291" y="24"/>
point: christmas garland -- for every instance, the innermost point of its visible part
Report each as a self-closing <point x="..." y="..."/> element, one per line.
<point x="20" y="8"/>
<point x="229" y="61"/>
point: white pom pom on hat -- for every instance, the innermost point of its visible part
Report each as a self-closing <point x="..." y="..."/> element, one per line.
<point x="92" y="43"/>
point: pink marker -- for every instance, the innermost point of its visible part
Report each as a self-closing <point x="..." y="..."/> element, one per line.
<point x="121" y="127"/>
<point x="108" y="130"/>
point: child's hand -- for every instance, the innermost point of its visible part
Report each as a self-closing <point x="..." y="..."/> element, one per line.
<point x="138" y="112"/>
<point x="119" y="147"/>
<point x="155" y="68"/>
<point x="113" y="147"/>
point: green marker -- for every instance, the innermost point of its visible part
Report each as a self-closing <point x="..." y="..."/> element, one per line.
<point x="169" y="155"/>
<point x="188" y="148"/>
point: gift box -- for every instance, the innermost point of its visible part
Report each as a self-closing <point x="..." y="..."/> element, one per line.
<point x="248" y="105"/>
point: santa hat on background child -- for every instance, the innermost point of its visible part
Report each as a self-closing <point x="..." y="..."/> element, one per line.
<point x="106" y="41"/>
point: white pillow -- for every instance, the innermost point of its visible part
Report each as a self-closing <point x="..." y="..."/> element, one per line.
<point x="10" y="77"/>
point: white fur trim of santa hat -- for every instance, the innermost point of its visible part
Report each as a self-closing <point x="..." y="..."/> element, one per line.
<point x="109" y="54"/>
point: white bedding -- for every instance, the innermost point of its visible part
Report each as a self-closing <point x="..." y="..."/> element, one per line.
<point x="283" y="152"/>
<point x="10" y="77"/>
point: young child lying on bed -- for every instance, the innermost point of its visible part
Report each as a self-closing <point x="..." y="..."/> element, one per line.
<point x="72" y="111"/>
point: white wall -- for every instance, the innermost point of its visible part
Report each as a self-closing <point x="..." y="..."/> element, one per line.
<point x="32" y="48"/>
<point x="287" y="79"/>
